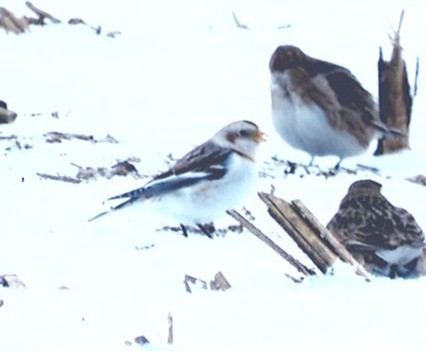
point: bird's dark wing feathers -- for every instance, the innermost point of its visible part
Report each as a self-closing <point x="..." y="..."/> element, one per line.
<point x="315" y="67"/>
<point x="206" y="157"/>
<point x="206" y="162"/>
<point x="352" y="95"/>
<point x="349" y="91"/>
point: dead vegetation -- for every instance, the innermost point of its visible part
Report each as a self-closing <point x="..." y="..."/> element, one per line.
<point x="58" y="137"/>
<point x="11" y="281"/>
<point x="19" y="25"/>
<point x="219" y="282"/>
<point x="6" y="116"/>
<point x="419" y="179"/>
<point x="277" y="168"/>
<point x="121" y="168"/>
<point x="198" y="231"/>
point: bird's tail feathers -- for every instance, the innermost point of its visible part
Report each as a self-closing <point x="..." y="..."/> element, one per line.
<point x="131" y="194"/>
<point x="114" y="208"/>
<point x="386" y="131"/>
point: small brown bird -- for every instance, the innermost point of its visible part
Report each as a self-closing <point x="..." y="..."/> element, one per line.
<point x="385" y="239"/>
<point x="321" y="108"/>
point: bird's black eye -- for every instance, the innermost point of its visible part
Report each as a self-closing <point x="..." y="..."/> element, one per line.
<point x="244" y="133"/>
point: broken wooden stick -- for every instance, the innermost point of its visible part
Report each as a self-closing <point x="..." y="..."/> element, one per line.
<point x="329" y="238"/>
<point x="192" y="280"/>
<point x="256" y="232"/>
<point x="282" y="212"/>
<point x="315" y="240"/>
<point x="170" y="337"/>
<point x="11" y="23"/>
<point x="237" y="22"/>
<point x="395" y="100"/>
<point x="11" y="281"/>
<point x="65" y="179"/>
<point x="42" y="15"/>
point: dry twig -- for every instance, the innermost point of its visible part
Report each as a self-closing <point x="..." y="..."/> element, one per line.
<point x="170" y="335"/>
<point x="65" y="179"/>
<point x="237" y="22"/>
<point x="256" y="232"/>
<point x="11" y="23"/>
<point x="42" y="15"/>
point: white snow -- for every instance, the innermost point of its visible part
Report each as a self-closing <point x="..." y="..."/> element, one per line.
<point x="179" y="72"/>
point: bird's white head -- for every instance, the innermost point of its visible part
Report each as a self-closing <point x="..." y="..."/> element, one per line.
<point x="243" y="137"/>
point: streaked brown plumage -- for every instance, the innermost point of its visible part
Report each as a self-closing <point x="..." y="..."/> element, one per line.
<point x="385" y="238"/>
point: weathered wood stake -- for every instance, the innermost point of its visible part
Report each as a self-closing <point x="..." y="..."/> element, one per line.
<point x="315" y="240"/>
<point x="395" y="100"/>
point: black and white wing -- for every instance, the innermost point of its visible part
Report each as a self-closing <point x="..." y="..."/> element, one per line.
<point x="207" y="162"/>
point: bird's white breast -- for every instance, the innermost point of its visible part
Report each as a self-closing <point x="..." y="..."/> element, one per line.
<point x="305" y="126"/>
<point x="209" y="200"/>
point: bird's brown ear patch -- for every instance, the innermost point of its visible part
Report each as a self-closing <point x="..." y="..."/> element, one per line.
<point x="231" y="137"/>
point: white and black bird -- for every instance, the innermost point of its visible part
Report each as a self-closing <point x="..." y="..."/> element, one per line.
<point x="321" y="108"/>
<point x="385" y="239"/>
<point x="214" y="177"/>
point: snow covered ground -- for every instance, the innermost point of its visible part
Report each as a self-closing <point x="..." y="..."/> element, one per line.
<point x="180" y="71"/>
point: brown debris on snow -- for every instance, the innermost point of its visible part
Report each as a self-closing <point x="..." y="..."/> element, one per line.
<point x="11" y="23"/>
<point x="58" y="137"/>
<point x="219" y="282"/>
<point x="122" y="168"/>
<point x="11" y="281"/>
<point x="193" y="281"/>
<point x="418" y="179"/>
<point x="41" y="16"/>
<point x="6" y="116"/>
<point x="61" y="178"/>
<point x="170" y="336"/>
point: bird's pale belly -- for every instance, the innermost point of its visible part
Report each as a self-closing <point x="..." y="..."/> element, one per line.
<point x="208" y="201"/>
<point x="305" y="127"/>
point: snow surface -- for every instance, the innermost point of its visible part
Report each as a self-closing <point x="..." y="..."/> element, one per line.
<point x="179" y="72"/>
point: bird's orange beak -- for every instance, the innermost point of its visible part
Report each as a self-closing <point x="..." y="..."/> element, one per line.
<point x="259" y="137"/>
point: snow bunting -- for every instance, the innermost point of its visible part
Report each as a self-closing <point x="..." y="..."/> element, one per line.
<point x="214" y="177"/>
<point x="321" y="108"/>
<point x="385" y="238"/>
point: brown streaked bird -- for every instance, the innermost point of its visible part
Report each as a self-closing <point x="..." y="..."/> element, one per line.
<point x="321" y="108"/>
<point x="214" y="177"/>
<point x="386" y="239"/>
